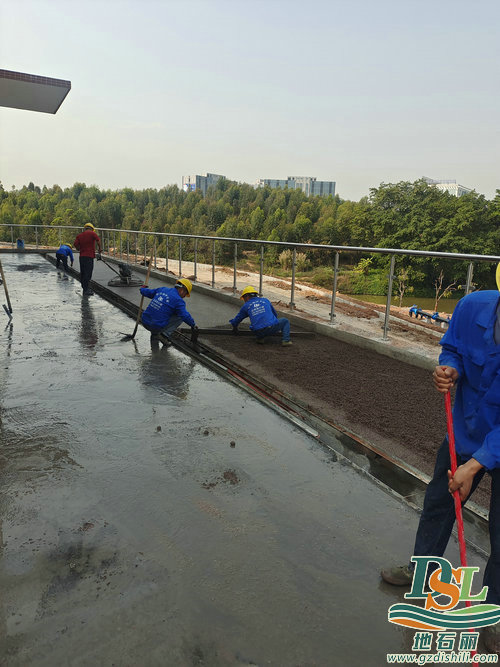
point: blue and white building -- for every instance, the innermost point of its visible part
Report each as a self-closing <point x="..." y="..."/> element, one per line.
<point x="308" y="184"/>
<point x="197" y="182"/>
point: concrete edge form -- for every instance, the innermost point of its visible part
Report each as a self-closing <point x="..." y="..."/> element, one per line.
<point x="310" y="325"/>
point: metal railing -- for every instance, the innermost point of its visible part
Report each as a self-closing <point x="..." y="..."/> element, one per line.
<point x="146" y="244"/>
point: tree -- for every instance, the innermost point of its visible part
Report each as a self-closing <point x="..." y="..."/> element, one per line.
<point x="403" y="286"/>
<point x="440" y="291"/>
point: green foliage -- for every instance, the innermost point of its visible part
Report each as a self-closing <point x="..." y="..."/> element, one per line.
<point x="402" y="215"/>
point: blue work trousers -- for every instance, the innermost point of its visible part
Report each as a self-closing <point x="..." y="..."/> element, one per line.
<point x="173" y="323"/>
<point x="438" y="517"/>
<point x="282" y="325"/>
<point x="64" y="260"/>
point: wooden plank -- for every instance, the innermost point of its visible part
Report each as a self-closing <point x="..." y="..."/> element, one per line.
<point x="244" y="332"/>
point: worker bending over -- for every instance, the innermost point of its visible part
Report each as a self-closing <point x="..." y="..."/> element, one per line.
<point x="85" y="243"/>
<point x="167" y="308"/>
<point x="264" y="320"/>
<point x="62" y="257"/>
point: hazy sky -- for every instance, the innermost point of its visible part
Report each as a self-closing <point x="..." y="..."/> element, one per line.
<point x="357" y="91"/>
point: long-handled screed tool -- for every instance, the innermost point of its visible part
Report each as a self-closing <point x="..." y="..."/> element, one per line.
<point x="225" y="331"/>
<point x="8" y="307"/>
<point x="456" y="495"/>
<point x="139" y="313"/>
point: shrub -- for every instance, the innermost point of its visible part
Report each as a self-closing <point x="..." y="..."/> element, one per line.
<point x="285" y="259"/>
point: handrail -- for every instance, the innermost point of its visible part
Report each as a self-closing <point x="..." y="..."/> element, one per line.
<point x="284" y="244"/>
<point x="106" y="232"/>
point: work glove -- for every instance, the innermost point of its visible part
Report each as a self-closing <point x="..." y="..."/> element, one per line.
<point x="235" y="331"/>
<point x="98" y="256"/>
<point x="195" y="328"/>
<point x="71" y="263"/>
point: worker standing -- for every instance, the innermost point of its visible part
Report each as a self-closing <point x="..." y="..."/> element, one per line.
<point x="62" y="255"/>
<point x="167" y="308"/>
<point x="470" y="359"/>
<point x="85" y="243"/>
<point x="264" y="319"/>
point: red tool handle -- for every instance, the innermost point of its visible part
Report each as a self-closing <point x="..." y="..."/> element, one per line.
<point x="456" y="495"/>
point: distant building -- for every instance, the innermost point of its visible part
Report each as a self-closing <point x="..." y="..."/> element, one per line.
<point x="192" y="183"/>
<point x="448" y="186"/>
<point x="308" y="184"/>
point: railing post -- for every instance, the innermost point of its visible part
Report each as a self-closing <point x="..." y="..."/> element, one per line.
<point x="261" y="269"/>
<point x="195" y="258"/>
<point x="11" y="236"/>
<point x="235" y="266"/>
<point x="120" y="236"/>
<point x="154" y="251"/>
<point x="114" y="243"/>
<point x="60" y="236"/>
<point x="166" y="257"/>
<point x="145" y="250"/>
<point x="213" y="263"/>
<point x="470" y="270"/>
<point x="389" y="295"/>
<point x="36" y="236"/>
<point x="180" y="257"/>
<point x="136" y="244"/>
<point x="292" y="291"/>
<point x="128" y="249"/>
<point x="334" y="290"/>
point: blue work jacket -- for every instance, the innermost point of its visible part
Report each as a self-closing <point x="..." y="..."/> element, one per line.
<point x="166" y="302"/>
<point x="65" y="250"/>
<point x="469" y="346"/>
<point x="260" y="311"/>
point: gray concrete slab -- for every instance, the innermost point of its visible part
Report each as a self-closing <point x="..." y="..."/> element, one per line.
<point x="133" y="533"/>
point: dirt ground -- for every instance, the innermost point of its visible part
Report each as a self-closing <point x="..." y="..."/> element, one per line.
<point x="385" y="402"/>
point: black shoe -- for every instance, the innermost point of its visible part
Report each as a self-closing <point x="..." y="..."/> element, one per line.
<point x="88" y="292"/>
<point x="491" y="638"/>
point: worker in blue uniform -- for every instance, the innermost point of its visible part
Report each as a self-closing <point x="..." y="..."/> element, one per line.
<point x="470" y="359"/>
<point x="264" y="320"/>
<point x="62" y="255"/>
<point x="413" y="311"/>
<point x="167" y="308"/>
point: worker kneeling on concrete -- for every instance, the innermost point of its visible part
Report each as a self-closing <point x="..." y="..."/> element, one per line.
<point x="167" y="308"/>
<point x="264" y="320"/>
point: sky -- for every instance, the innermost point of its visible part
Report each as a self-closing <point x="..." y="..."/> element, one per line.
<point x="357" y="91"/>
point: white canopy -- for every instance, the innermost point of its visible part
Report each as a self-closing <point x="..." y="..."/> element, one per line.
<point x="32" y="92"/>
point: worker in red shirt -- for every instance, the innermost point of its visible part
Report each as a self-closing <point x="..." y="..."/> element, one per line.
<point x="85" y="243"/>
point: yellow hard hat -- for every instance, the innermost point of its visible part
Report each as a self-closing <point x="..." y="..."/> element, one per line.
<point x="248" y="290"/>
<point x="68" y="244"/>
<point x="89" y="224"/>
<point x="498" y="276"/>
<point x="185" y="283"/>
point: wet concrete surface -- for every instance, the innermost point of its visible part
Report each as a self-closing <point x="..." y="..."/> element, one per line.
<point x="132" y="532"/>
